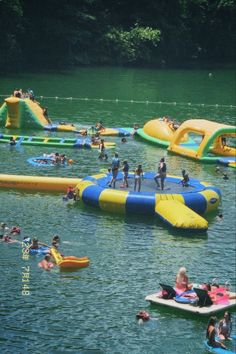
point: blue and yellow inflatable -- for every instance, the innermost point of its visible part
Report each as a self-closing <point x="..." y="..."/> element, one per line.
<point x="178" y="206"/>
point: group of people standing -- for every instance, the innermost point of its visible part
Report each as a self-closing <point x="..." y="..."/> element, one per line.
<point x="115" y="165"/>
<point x="138" y="173"/>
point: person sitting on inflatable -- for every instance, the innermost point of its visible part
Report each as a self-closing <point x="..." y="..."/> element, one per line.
<point x="46" y="263"/>
<point x="225" y="326"/>
<point x="99" y="126"/>
<point x="182" y="281"/>
<point x="185" y="179"/>
<point x="56" y="241"/>
<point x="35" y="245"/>
<point x="211" y="334"/>
<point x="63" y="158"/>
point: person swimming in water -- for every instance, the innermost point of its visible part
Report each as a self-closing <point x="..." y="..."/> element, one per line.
<point x="12" y="141"/>
<point x="46" y="263"/>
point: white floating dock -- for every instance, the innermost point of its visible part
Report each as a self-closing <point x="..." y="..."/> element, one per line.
<point x="205" y="311"/>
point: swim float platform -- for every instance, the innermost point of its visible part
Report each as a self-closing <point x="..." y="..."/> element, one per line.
<point x="158" y="300"/>
<point x="178" y="206"/>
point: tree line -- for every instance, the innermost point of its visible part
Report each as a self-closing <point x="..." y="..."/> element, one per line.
<point x="54" y="34"/>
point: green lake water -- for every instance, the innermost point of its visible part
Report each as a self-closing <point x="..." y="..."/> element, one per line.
<point x="93" y="310"/>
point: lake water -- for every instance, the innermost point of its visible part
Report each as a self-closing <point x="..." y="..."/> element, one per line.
<point x="93" y="310"/>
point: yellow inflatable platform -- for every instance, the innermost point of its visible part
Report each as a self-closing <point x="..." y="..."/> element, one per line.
<point x="38" y="183"/>
<point x="159" y="131"/>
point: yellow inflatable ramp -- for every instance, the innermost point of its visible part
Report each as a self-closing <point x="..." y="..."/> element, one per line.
<point x="179" y="215"/>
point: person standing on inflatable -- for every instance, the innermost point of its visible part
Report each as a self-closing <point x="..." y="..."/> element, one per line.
<point x="125" y="174"/>
<point x="161" y="173"/>
<point x="115" y="165"/>
<point x="138" y="176"/>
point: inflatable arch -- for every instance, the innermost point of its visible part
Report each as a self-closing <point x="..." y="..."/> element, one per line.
<point x="212" y="146"/>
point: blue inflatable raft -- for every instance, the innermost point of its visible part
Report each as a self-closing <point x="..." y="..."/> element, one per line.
<point x="217" y="350"/>
<point x="44" y="161"/>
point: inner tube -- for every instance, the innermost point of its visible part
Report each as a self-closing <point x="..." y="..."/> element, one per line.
<point x="45" y="161"/>
<point x="41" y="161"/>
<point x="217" y="350"/>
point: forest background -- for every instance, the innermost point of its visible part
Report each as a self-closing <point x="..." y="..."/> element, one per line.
<point x="62" y="34"/>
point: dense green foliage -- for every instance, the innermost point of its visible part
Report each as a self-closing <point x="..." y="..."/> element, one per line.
<point x="66" y="33"/>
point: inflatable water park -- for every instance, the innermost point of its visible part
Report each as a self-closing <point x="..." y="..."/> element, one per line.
<point x="199" y="139"/>
<point x="177" y="206"/>
<point x="24" y="113"/>
<point x="182" y="207"/>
